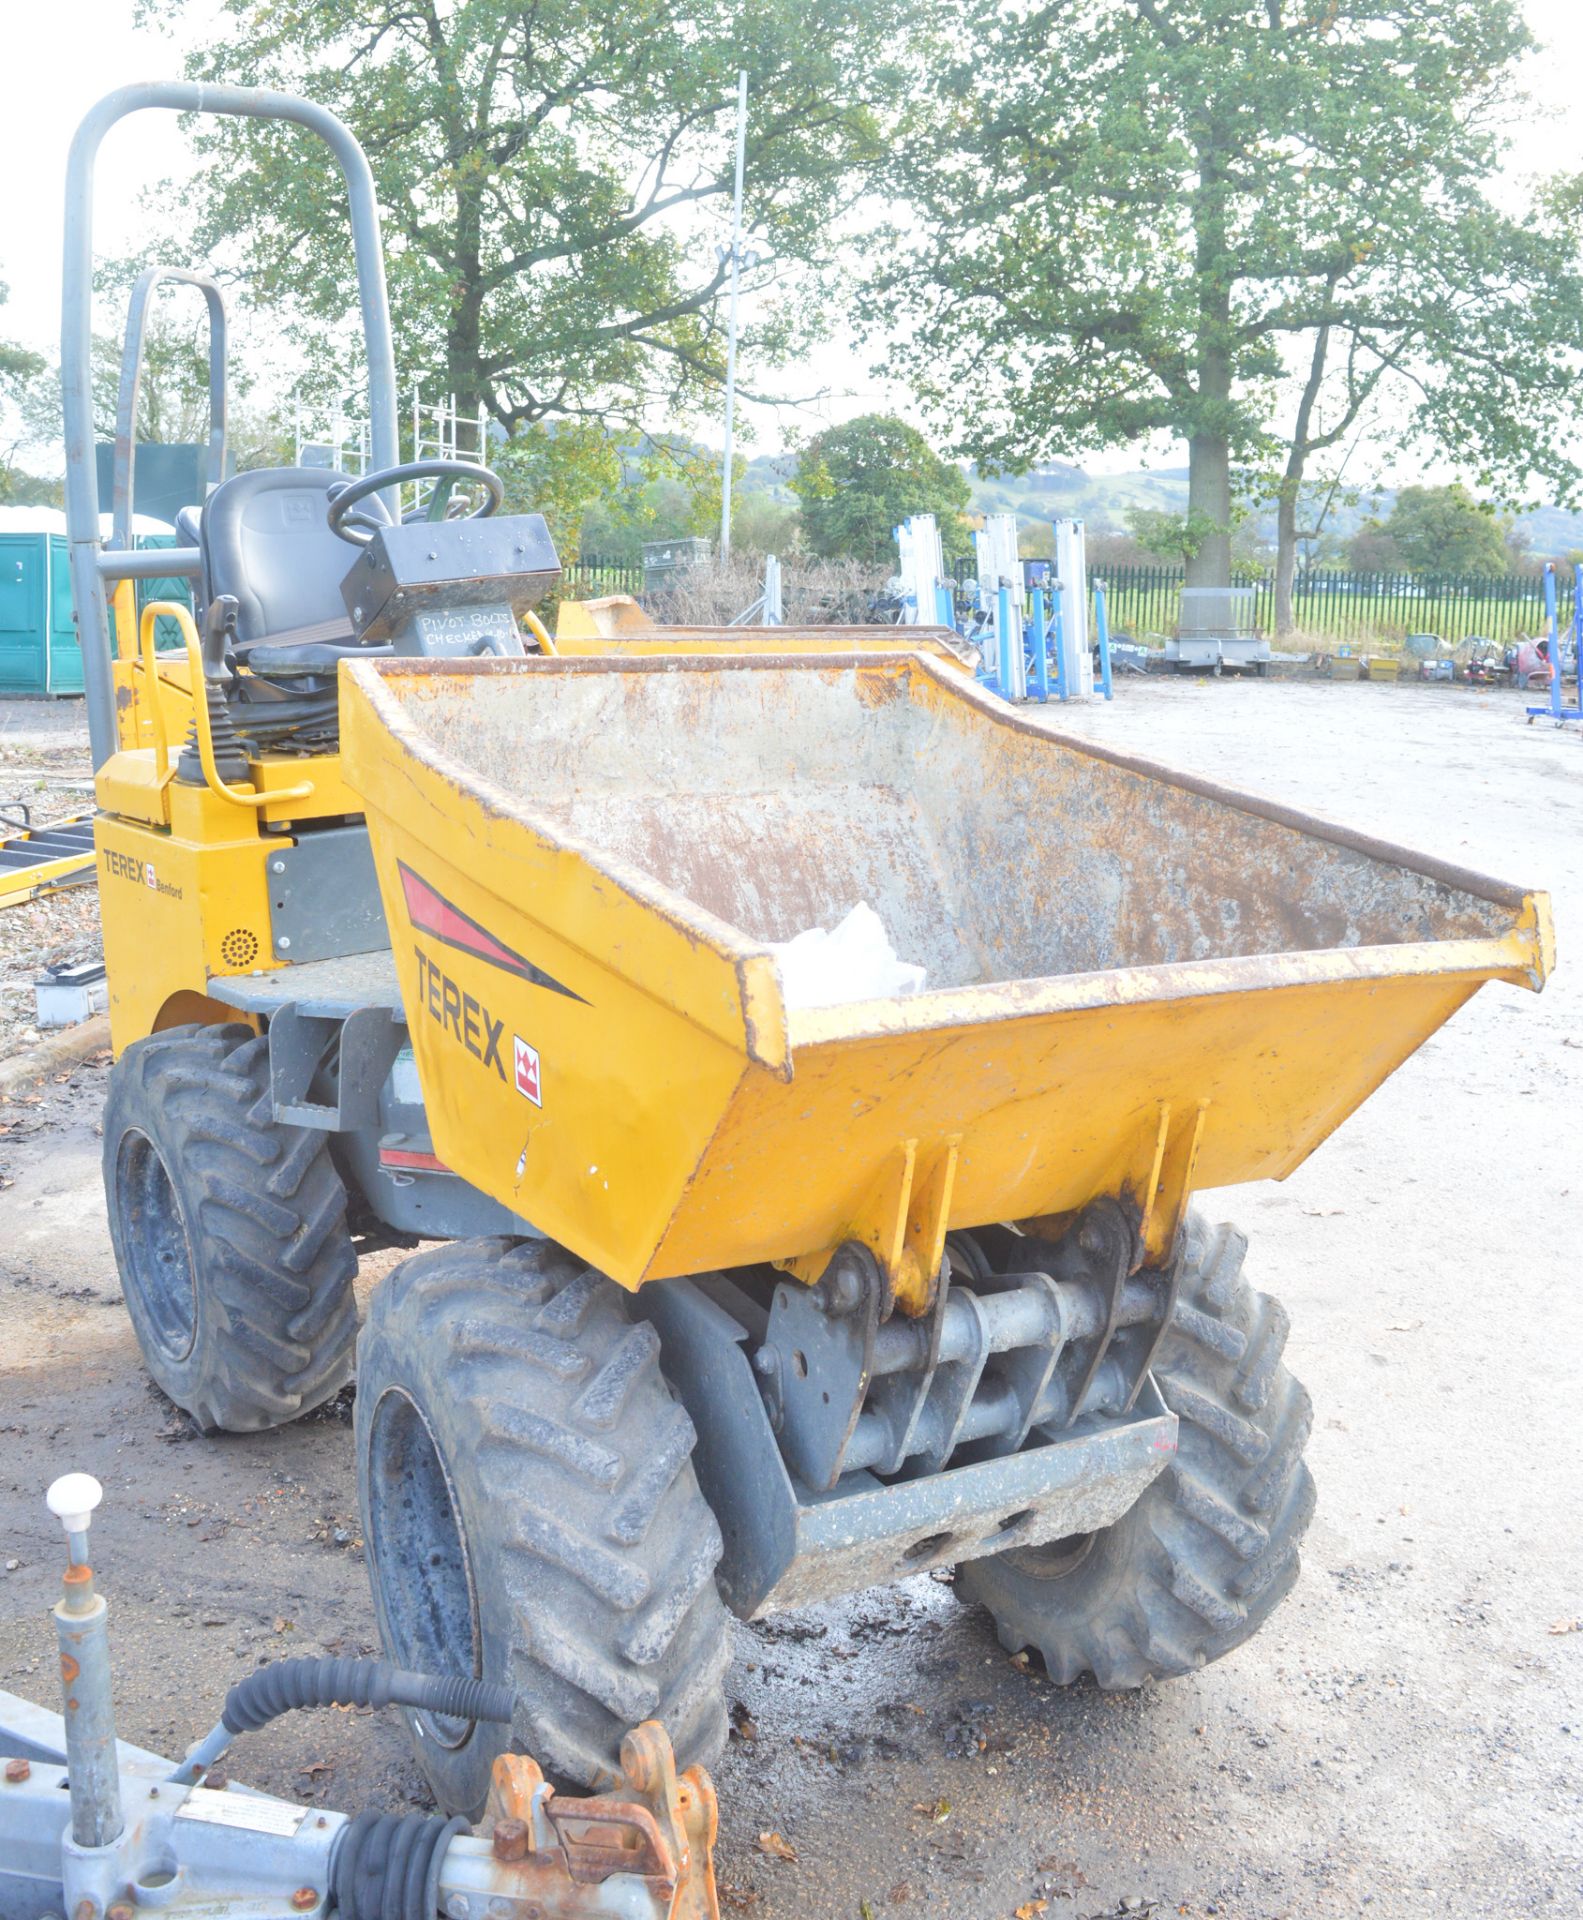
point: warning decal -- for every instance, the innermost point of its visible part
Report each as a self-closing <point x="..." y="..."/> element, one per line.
<point x="525" y="1063"/>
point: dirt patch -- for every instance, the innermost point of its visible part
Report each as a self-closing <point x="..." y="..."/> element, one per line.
<point x="44" y="769"/>
<point x="1402" y="1740"/>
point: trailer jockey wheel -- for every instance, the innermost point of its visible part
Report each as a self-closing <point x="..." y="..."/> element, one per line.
<point x="531" y="1514"/>
<point x="229" y="1231"/>
<point x="1203" y="1558"/>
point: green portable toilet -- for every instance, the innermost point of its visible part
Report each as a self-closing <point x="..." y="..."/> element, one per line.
<point x="24" y="590"/>
<point x="65" y="655"/>
<point x="39" y="652"/>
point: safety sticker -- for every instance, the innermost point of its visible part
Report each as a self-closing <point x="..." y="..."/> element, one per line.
<point x="241" y="1810"/>
<point x="525" y="1061"/>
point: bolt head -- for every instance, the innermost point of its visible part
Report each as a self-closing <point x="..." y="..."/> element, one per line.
<point x="844" y="1288"/>
<point x="766" y="1362"/>
<point x="283" y="942"/>
<point x="119" y="1910"/>
<point x="511" y="1839"/>
<point x="304" y="1898"/>
<point x="16" y="1770"/>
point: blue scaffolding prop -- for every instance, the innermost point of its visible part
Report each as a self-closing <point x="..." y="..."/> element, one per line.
<point x="1042" y="633"/>
<point x="1555" y="708"/>
<point x="1102" y="635"/>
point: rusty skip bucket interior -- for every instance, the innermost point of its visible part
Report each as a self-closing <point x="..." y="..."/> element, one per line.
<point x="1137" y="982"/>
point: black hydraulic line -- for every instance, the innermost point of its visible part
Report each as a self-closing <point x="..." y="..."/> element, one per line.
<point x="287" y="1684"/>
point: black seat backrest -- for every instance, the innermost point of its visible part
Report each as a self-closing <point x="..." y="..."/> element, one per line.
<point x="189" y="533"/>
<point x="263" y="538"/>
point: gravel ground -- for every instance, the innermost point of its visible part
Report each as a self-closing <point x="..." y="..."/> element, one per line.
<point x="1402" y="1741"/>
<point x="43" y="766"/>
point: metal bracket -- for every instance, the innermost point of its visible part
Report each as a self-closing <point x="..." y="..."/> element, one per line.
<point x="1107" y="1242"/>
<point x="902" y="1221"/>
<point x="354" y="1055"/>
<point x="819" y="1353"/>
<point x="324" y="896"/>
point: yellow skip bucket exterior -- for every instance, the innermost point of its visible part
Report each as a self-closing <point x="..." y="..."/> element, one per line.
<point x="1138" y="983"/>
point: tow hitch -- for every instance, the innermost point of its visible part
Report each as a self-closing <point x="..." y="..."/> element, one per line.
<point x="99" y="1830"/>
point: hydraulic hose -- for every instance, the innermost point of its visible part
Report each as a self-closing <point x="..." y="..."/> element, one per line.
<point x="286" y="1684"/>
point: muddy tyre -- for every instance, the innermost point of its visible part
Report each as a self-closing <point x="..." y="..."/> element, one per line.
<point x="1199" y="1563"/>
<point x="229" y="1232"/>
<point x="531" y="1514"/>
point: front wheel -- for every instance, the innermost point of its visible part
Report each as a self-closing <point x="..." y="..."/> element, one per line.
<point x="531" y="1514"/>
<point x="229" y="1231"/>
<point x="1201" y="1561"/>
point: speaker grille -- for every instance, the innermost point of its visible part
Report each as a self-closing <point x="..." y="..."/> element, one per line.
<point x="239" y="948"/>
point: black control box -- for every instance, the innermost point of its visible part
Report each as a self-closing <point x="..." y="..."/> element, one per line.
<point x="444" y="587"/>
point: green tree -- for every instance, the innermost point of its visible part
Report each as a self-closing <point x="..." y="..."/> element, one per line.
<point x="1170" y="536"/>
<point x="551" y="179"/>
<point x="24" y="378"/>
<point x="1445" y="530"/>
<point x="762" y="524"/>
<point x="559" y="469"/>
<point x="1373" y="549"/>
<point x="1244" y="226"/>
<point x="857" y="482"/>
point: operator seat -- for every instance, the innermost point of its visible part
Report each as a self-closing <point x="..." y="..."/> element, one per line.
<point x="264" y="539"/>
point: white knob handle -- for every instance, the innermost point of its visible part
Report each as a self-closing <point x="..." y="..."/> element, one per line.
<point x="72" y="1499"/>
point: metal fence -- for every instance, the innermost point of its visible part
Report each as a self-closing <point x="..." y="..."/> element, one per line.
<point x="589" y="577"/>
<point x="1344" y="606"/>
<point x="1331" y="604"/>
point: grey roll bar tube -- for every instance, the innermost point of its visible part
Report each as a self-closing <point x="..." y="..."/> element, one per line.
<point x="148" y="283"/>
<point x="90" y="568"/>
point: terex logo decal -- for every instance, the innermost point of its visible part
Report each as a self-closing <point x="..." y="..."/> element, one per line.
<point x="525" y="1064"/>
<point x="125" y="866"/>
<point x="470" y="1023"/>
<point x="434" y="915"/>
<point x="463" y="1015"/>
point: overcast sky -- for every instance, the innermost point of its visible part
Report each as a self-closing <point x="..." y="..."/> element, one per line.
<point x="63" y="57"/>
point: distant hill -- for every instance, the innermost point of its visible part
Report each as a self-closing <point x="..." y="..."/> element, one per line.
<point x="1064" y="491"/>
<point x="1061" y="490"/>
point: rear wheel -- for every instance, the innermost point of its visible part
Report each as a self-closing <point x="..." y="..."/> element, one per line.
<point x="1201" y="1561"/>
<point x="530" y="1513"/>
<point x="229" y="1232"/>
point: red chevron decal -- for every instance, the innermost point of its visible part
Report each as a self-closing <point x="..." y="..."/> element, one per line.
<point x="434" y="915"/>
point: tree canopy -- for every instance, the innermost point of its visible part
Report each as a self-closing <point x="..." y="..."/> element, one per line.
<point x="552" y="179"/>
<point x="1445" y="530"/>
<point x="1143" y="217"/>
<point x="21" y="374"/>
<point x="857" y="482"/>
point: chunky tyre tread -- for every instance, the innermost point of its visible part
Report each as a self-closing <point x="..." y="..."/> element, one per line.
<point x="265" y="1218"/>
<point x="593" y="1550"/>
<point x="1208" y="1552"/>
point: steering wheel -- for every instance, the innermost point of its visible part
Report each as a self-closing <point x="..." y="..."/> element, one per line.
<point x="360" y="528"/>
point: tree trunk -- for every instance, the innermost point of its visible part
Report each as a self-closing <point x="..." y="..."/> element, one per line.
<point x="1209" y="504"/>
<point x="1303" y="442"/>
<point x="1209" y="449"/>
<point x="1286" y="543"/>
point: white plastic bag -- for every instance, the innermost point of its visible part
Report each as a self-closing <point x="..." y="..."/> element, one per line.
<point x="853" y="961"/>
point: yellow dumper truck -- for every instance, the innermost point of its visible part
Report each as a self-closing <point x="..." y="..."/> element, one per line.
<point x="739" y="1294"/>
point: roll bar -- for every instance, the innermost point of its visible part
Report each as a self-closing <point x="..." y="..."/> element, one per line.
<point x="148" y="283"/>
<point x="91" y="567"/>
